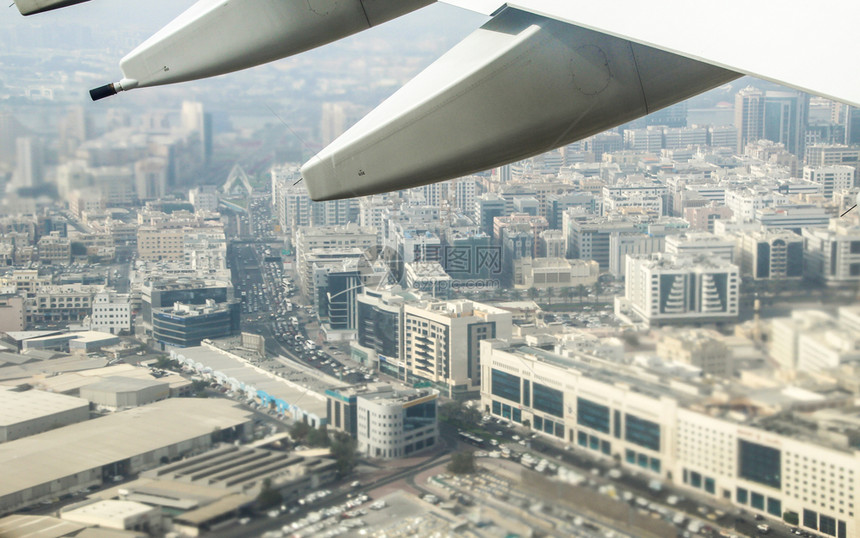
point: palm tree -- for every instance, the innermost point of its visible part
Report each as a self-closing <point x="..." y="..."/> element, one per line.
<point x="582" y="290"/>
<point x="533" y="293"/>
<point x="550" y="292"/>
<point x="568" y="292"/>
<point x="598" y="287"/>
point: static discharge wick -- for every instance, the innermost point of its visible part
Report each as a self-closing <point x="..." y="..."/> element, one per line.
<point x="842" y="215"/>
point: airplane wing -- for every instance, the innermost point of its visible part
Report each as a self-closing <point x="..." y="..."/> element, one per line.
<point x="545" y="73"/>
<point x="538" y="75"/>
<point x="809" y="48"/>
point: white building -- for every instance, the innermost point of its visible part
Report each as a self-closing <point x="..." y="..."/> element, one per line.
<point x="111" y="312"/>
<point x="662" y="288"/>
<point x="556" y="273"/>
<point x="204" y="198"/>
<point x="659" y="429"/>
<point x="701" y="244"/>
<point x="442" y="341"/>
<point x="396" y="423"/>
<point x="832" y="254"/>
<point x="771" y="254"/>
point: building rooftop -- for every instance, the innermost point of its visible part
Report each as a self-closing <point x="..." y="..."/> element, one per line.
<point x="53" y="455"/>
<point x="19" y="406"/>
<point x="110" y="509"/>
<point x="17" y="526"/>
<point x="124" y="384"/>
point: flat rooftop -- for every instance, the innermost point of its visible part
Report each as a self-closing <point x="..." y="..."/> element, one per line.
<point x="56" y="454"/>
<point x="17" y="407"/>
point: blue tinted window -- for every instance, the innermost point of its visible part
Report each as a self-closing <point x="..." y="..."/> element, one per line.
<point x="497" y="408"/>
<point x="642" y="461"/>
<point x="592" y="414"/>
<point x="548" y="426"/>
<point x="743" y="496"/>
<point x="759" y="463"/>
<point x="642" y="432"/>
<point x="810" y="519"/>
<point x="605" y="447"/>
<point x="827" y="525"/>
<point x="593" y="443"/>
<point x="630" y="456"/>
<point x="527" y="393"/>
<point x="518" y="415"/>
<point x="538" y="423"/>
<point x="559" y="430"/>
<point x="548" y="400"/>
<point x="757" y="500"/>
<point x="774" y="507"/>
<point x="655" y="465"/>
<point x="582" y="439"/>
<point x="505" y="385"/>
<point x="710" y="487"/>
<point x="695" y="479"/>
<point x="506" y="411"/>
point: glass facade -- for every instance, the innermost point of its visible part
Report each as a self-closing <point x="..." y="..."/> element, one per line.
<point x="419" y="415"/>
<point x="497" y="408"/>
<point x="592" y="415"/>
<point x="774" y="507"/>
<point x="582" y="438"/>
<point x="759" y="463"/>
<point x="743" y="496"/>
<point x="538" y="423"/>
<point x="827" y="525"/>
<point x="710" y="486"/>
<point x="505" y="385"/>
<point x="518" y="415"/>
<point x="548" y="400"/>
<point x="642" y="432"/>
<point x="695" y="479"/>
<point x="527" y="393"/>
<point x="757" y="500"/>
<point x="629" y="456"/>
<point x="810" y="519"/>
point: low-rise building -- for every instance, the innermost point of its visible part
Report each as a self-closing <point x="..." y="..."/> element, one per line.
<point x="395" y="423"/>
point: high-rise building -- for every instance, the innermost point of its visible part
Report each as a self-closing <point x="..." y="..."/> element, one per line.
<point x="488" y="206"/>
<point x="30" y="159"/>
<point x="749" y="116"/>
<point x="785" y="114"/>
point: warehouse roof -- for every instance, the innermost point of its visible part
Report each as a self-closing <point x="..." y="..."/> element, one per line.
<point x="17" y="407"/>
<point x="87" y="445"/>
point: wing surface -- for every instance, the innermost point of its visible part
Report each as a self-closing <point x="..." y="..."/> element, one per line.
<point x="811" y="47"/>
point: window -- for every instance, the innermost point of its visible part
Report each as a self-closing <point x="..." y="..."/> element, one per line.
<point x="548" y="400"/>
<point x="593" y="443"/>
<point x="759" y="463"/>
<point x="827" y="525"/>
<point x="582" y="439"/>
<point x="695" y="479"/>
<point x="757" y="500"/>
<point x="642" y="432"/>
<point x="518" y="415"/>
<point x="592" y="415"/>
<point x="710" y="487"/>
<point x="774" y="507"/>
<point x="538" y="423"/>
<point x="497" y="408"/>
<point x="742" y="496"/>
<point x="505" y="385"/>
<point x="526" y="393"/>
<point x="630" y="456"/>
<point x="605" y="447"/>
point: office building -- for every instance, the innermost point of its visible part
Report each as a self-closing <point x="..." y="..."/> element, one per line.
<point x="703" y="348"/>
<point x="749" y="116"/>
<point x="313" y="242"/>
<point x="667" y="289"/>
<point x="776" y="467"/>
<point x="700" y="244"/>
<point x="185" y="325"/>
<point x="771" y="254"/>
<point x="111" y="312"/>
<point x="833" y="179"/>
<point x="832" y="254"/>
<point x="441" y="343"/>
<point x="395" y="423"/>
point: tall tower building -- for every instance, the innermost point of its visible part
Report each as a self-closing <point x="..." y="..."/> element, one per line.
<point x="749" y="116"/>
<point x="30" y="159"/>
<point x="785" y="119"/>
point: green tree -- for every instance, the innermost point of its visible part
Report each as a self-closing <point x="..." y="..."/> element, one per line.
<point x="568" y="293"/>
<point x="527" y="424"/>
<point x="582" y="291"/>
<point x="533" y="293"/>
<point x="343" y="450"/>
<point x="598" y="289"/>
<point x="790" y="517"/>
<point x="463" y="463"/>
<point x="451" y="411"/>
<point x="299" y="431"/>
<point x="318" y="437"/>
<point x="268" y="496"/>
<point x="550" y="293"/>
